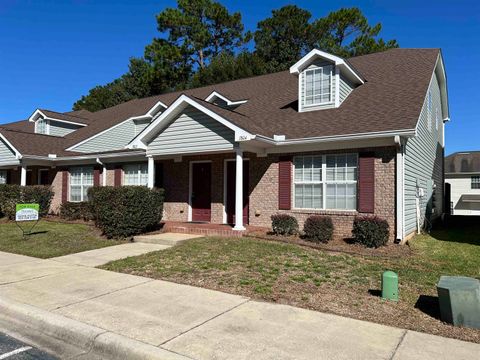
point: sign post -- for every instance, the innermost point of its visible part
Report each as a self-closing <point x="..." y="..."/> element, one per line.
<point x="26" y="212"/>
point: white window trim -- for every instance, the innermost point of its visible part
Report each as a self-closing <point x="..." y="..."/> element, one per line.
<point x="138" y="175"/>
<point x="3" y="175"/>
<point x="324" y="183"/>
<point x="47" y="126"/>
<point x="304" y="79"/>
<point x="82" y="185"/>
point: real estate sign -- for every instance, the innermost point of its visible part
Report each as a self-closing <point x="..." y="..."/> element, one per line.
<point x="27" y="212"/>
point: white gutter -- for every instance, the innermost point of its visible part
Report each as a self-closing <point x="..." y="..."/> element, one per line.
<point x="400" y="189"/>
<point x="321" y="139"/>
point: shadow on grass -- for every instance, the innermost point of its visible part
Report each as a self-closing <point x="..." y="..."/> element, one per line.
<point x="375" y="292"/>
<point x="460" y="229"/>
<point x="428" y="305"/>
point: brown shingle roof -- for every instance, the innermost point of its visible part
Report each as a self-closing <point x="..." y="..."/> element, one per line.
<point x="391" y="99"/>
<point x="463" y="162"/>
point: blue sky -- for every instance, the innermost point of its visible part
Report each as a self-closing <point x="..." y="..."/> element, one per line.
<point x="52" y="52"/>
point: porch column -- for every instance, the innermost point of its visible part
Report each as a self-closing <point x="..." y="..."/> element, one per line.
<point x="239" y="189"/>
<point x="151" y="172"/>
<point x="23" y="175"/>
<point x="104" y="177"/>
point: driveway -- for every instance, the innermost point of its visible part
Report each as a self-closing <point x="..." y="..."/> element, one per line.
<point x="204" y="324"/>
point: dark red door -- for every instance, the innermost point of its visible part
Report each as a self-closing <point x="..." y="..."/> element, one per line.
<point x="201" y="191"/>
<point x="231" y="171"/>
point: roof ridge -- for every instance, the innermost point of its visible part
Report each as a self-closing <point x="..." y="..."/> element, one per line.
<point x="67" y="114"/>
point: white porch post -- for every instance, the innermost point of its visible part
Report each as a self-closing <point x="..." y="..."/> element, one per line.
<point x="104" y="177"/>
<point x="151" y="172"/>
<point x="23" y="175"/>
<point x="239" y="189"/>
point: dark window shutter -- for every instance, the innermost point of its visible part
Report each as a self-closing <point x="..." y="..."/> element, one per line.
<point x="96" y="176"/>
<point x="64" y="186"/>
<point x="366" y="183"/>
<point x="117" y="177"/>
<point x="285" y="183"/>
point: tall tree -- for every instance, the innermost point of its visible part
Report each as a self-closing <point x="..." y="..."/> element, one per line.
<point x="202" y="29"/>
<point x="284" y="37"/>
<point x="346" y="33"/>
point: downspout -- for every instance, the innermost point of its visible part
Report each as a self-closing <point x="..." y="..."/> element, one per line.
<point x="104" y="171"/>
<point x="400" y="189"/>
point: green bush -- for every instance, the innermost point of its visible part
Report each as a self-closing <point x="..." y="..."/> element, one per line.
<point x="318" y="228"/>
<point x="121" y="212"/>
<point x="76" y="211"/>
<point x="283" y="224"/>
<point x="370" y="231"/>
<point x="11" y="194"/>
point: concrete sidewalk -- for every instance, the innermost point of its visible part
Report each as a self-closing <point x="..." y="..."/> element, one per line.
<point x="188" y="322"/>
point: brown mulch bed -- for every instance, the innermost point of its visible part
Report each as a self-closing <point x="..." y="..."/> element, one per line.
<point x="344" y="246"/>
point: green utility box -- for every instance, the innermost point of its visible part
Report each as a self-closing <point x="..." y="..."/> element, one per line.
<point x="459" y="300"/>
<point x="390" y="286"/>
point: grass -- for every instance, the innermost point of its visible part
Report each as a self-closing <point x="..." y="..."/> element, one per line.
<point x="51" y="239"/>
<point x="344" y="284"/>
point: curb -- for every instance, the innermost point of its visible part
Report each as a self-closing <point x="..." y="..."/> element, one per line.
<point x="72" y="339"/>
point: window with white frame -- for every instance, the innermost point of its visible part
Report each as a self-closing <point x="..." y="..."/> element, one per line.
<point x="429" y="111"/>
<point x="475" y="182"/>
<point x="135" y="174"/>
<point x="317" y="86"/>
<point x="3" y="176"/>
<point x="326" y="182"/>
<point x="42" y="126"/>
<point x="81" y="179"/>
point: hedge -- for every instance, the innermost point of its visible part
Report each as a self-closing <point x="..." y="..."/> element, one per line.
<point x="318" y="228"/>
<point x="76" y="211"/>
<point x="11" y="194"/>
<point x="283" y="224"/>
<point x="121" y="212"/>
<point x="370" y="231"/>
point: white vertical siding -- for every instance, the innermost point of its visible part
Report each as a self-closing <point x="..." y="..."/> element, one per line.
<point x="191" y="132"/>
<point x="424" y="162"/>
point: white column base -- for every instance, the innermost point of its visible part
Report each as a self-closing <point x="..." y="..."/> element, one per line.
<point x="151" y="172"/>
<point x="239" y="228"/>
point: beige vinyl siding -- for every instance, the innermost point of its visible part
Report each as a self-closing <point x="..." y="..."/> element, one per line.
<point x="58" y="128"/>
<point x="424" y="162"/>
<point x="7" y="156"/>
<point x="192" y="132"/>
<point x="314" y="65"/>
<point x="345" y="88"/>
<point x="113" y="139"/>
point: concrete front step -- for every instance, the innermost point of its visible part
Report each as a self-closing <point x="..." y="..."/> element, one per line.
<point x="167" y="238"/>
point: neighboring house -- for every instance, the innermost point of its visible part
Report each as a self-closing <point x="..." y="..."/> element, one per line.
<point x="331" y="136"/>
<point x="462" y="180"/>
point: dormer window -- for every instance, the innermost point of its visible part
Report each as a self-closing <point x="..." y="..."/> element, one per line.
<point x="318" y="86"/>
<point x="41" y="126"/>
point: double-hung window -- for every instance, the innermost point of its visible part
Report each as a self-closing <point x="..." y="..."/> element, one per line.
<point x="3" y="176"/>
<point x="475" y="182"/>
<point x="317" y="86"/>
<point x="325" y="182"/>
<point x="42" y="126"/>
<point x="135" y="174"/>
<point x="81" y="179"/>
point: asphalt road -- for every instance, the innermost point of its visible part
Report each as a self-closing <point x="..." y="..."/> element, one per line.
<point x="13" y="349"/>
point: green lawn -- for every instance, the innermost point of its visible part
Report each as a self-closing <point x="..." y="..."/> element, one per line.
<point x="51" y="239"/>
<point x="325" y="281"/>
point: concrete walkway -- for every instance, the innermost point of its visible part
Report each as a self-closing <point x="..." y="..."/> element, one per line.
<point x="189" y="322"/>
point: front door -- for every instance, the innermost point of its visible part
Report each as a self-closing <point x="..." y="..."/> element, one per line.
<point x="230" y="206"/>
<point x="201" y="198"/>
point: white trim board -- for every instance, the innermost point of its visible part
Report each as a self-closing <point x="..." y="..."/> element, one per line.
<point x="229" y="102"/>
<point x="38" y="113"/>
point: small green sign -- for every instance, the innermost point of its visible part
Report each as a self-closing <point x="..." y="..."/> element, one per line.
<point x="26" y="212"/>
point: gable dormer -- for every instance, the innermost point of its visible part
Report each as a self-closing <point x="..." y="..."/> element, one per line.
<point x="324" y="80"/>
<point x="222" y="101"/>
<point x="46" y="124"/>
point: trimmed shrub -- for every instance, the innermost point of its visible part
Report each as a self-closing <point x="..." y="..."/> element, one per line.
<point x="283" y="224"/>
<point x="121" y="212"/>
<point x="318" y="228"/>
<point x="370" y="231"/>
<point x="76" y="211"/>
<point x="11" y="194"/>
